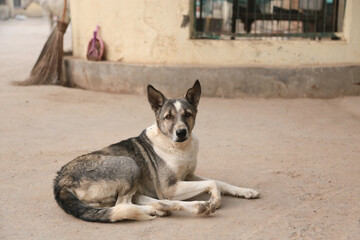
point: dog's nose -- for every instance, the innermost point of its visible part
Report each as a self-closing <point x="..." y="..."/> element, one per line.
<point x="181" y="133"/>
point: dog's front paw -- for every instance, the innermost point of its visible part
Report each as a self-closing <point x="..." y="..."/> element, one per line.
<point x="163" y="209"/>
<point x="247" y="193"/>
<point x="250" y="193"/>
<point x="204" y="208"/>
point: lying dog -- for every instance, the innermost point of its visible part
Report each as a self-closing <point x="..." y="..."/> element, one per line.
<point x="145" y="176"/>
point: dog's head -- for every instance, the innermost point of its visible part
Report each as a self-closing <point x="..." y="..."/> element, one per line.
<point x="175" y="117"/>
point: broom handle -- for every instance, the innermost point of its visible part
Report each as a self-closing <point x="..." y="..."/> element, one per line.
<point x="64" y="11"/>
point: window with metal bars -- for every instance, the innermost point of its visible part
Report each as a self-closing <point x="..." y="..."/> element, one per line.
<point x="17" y="3"/>
<point x="275" y="19"/>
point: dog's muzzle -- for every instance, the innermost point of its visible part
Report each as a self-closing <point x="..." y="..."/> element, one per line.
<point x="181" y="135"/>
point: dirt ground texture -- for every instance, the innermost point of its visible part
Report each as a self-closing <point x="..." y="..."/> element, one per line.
<point x="303" y="155"/>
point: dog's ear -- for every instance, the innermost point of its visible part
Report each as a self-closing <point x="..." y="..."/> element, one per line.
<point x="193" y="94"/>
<point x="155" y="97"/>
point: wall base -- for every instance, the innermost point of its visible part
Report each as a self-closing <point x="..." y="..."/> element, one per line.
<point x="286" y="82"/>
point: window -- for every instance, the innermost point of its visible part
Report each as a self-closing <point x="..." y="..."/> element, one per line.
<point x="284" y="19"/>
<point x="17" y="3"/>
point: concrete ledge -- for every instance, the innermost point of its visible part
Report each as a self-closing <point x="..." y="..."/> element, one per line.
<point x="313" y="82"/>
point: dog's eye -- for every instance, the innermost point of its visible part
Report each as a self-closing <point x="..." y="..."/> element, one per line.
<point x="168" y="116"/>
<point x="187" y="115"/>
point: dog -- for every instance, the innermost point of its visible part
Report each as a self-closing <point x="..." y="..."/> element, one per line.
<point x="146" y="176"/>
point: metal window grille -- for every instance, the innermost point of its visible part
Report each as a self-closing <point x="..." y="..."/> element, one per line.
<point x="276" y="19"/>
<point x="17" y="3"/>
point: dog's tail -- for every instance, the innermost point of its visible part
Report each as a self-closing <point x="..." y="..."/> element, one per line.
<point x="71" y="204"/>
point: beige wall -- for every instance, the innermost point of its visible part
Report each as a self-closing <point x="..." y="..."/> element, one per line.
<point x="148" y="31"/>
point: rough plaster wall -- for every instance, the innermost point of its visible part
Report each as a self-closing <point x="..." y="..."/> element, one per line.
<point x="148" y="31"/>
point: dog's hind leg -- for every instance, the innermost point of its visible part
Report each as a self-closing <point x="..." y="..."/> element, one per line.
<point x="126" y="198"/>
<point x="134" y="212"/>
<point x="125" y="209"/>
<point x="168" y="206"/>
<point x="183" y="190"/>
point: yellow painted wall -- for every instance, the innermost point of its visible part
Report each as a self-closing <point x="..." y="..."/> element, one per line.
<point x="148" y="31"/>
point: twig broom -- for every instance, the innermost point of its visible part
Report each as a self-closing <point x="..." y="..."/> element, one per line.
<point x="48" y="67"/>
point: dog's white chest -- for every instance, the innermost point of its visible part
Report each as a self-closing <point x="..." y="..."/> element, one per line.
<point x="181" y="158"/>
<point x="180" y="162"/>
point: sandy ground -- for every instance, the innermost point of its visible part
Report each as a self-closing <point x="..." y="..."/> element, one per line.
<point x="303" y="156"/>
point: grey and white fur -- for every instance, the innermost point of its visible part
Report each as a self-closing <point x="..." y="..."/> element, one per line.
<point x="146" y="176"/>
